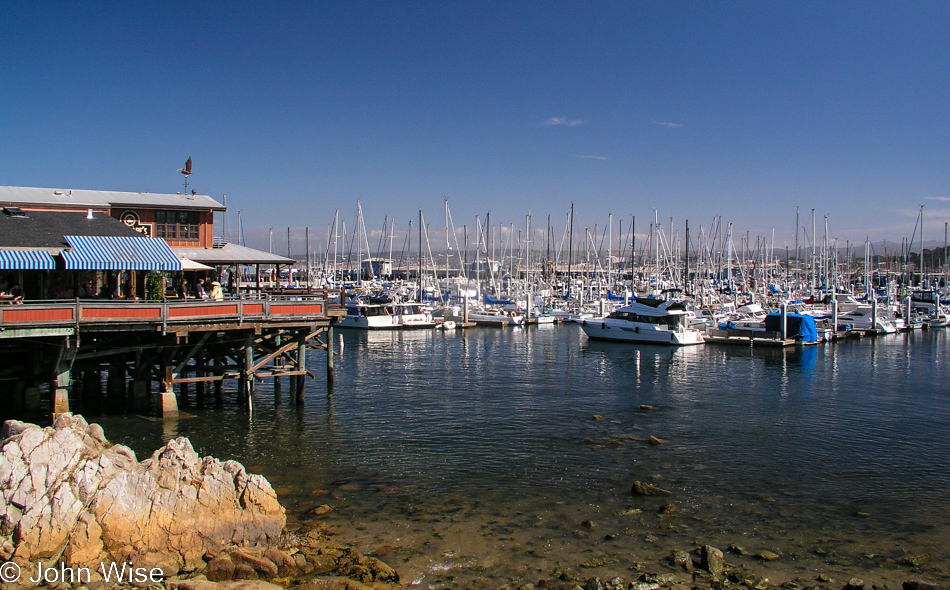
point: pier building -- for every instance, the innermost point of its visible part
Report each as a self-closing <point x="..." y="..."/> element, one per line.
<point x="88" y="284"/>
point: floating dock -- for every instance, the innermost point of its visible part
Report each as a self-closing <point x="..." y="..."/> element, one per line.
<point x="748" y="338"/>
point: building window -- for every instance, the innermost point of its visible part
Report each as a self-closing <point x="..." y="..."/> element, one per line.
<point x="177" y="225"/>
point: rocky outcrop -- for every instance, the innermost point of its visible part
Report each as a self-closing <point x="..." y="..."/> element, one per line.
<point x="69" y="496"/>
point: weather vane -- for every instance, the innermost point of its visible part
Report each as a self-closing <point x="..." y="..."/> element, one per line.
<point x="187" y="172"/>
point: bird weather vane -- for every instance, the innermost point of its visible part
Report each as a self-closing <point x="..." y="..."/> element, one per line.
<point x="187" y="172"/>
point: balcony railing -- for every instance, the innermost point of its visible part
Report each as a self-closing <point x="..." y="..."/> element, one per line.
<point x="161" y="314"/>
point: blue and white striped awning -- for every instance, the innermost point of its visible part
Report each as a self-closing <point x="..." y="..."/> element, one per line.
<point x="119" y="253"/>
<point x="26" y="260"/>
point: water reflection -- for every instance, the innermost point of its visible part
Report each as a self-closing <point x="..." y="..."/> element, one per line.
<point x="504" y="419"/>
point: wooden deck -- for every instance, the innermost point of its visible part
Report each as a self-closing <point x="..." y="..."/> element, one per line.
<point x="66" y="318"/>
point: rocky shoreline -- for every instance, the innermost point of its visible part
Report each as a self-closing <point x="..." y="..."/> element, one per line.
<point x="73" y="499"/>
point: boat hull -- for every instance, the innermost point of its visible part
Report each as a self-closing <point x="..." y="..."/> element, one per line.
<point x="386" y="323"/>
<point x="636" y="332"/>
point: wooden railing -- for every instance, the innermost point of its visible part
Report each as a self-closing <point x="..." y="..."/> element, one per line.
<point x="82" y="312"/>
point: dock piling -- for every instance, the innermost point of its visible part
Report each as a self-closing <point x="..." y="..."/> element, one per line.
<point x="167" y="402"/>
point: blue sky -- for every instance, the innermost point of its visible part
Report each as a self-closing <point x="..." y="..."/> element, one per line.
<point x="293" y="110"/>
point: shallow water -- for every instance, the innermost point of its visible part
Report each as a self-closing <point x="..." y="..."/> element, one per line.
<point x="475" y="455"/>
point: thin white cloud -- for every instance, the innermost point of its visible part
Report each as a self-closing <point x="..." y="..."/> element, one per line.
<point x="564" y="121"/>
<point x="587" y="157"/>
<point x="668" y="124"/>
<point x="944" y="199"/>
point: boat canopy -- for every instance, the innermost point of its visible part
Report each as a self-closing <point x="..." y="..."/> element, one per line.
<point x="799" y="326"/>
<point x="493" y="301"/>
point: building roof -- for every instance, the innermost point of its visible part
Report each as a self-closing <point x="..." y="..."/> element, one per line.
<point x="19" y="196"/>
<point x="46" y="230"/>
<point x="231" y="254"/>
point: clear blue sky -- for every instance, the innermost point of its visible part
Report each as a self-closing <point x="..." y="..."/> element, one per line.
<point x="695" y="109"/>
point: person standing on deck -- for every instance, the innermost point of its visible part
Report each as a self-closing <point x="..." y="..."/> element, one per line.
<point x="216" y="293"/>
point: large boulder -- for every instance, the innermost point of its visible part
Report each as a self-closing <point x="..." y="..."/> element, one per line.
<point x="67" y="495"/>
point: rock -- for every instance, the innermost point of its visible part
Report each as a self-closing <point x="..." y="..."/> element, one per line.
<point x="594" y="584"/>
<point x="648" y="489"/>
<point x="712" y="560"/>
<point x="66" y="491"/>
<point x="321" y="510"/>
<point x="767" y="556"/>
<point x="918" y="585"/>
<point x="199" y="584"/>
<point x="302" y="564"/>
<point x="335" y="583"/>
<point x="589" y="524"/>
<point x="854" y="584"/>
<point x="383" y="551"/>
<point x="262" y="566"/>
<point x="594" y="562"/>
<point x="656" y="441"/>
<point x="683" y="560"/>
<point x="645" y="407"/>
<point x="917" y="560"/>
<point x="243" y="571"/>
<point x="668" y="509"/>
<point x="220" y="568"/>
<point x="597" y="417"/>
<point x="286" y="565"/>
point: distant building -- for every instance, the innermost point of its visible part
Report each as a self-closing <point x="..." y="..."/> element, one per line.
<point x="377" y="267"/>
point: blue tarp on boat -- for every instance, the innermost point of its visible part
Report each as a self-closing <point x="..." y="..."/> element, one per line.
<point x="799" y="326"/>
<point x="493" y="301"/>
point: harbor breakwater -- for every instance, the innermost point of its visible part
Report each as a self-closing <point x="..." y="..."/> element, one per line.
<point x="80" y="511"/>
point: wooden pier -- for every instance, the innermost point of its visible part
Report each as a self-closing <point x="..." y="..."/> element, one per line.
<point x="140" y="343"/>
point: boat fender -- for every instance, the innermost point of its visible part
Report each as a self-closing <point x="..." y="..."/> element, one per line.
<point x="603" y="326"/>
<point x="673" y="337"/>
<point x="584" y="322"/>
<point x="636" y="329"/>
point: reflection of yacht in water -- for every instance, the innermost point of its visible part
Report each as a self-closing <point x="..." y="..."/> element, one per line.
<point x="660" y="321"/>
<point x="385" y="316"/>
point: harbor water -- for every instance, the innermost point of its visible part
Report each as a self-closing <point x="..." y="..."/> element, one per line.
<point x="492" y="456"/>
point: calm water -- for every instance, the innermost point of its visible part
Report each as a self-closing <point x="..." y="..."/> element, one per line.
<point x="476" y="455"/>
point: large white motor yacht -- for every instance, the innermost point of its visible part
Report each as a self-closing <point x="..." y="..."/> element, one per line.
<point x="656" y="321"/>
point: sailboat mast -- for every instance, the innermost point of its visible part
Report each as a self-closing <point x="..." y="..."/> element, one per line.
<point x="420" y="255"/>
<point x="686" y="277"/>
<point x="570" y="248"/>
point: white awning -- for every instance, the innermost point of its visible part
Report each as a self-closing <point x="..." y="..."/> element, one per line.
<point x="189" y="264"/>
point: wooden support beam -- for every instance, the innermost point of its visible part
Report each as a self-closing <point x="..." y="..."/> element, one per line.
<point x="191" y="353"/>
<point x="198" y="379"/>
